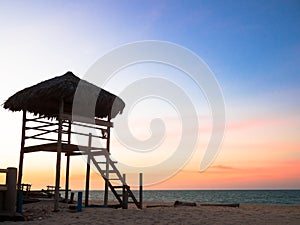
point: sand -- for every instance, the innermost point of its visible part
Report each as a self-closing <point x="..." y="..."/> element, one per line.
<point x="41" y="213"/>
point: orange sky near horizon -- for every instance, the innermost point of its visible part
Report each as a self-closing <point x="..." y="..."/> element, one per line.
<point x="243" y="163"/>
<point x="253" y="49"/>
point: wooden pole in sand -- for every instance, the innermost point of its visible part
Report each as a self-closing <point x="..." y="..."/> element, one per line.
<point x="58" y="157"/>
<point x="11" y="195"/>
<point x="107" y="164"/>
<point x="88" y="169"/>
<point x="125" y="193"/>
<point x="68" y="165"/>
<point x="67" y="179"/>
<point x="22" y="151"/>
<point x="141" y="191"/>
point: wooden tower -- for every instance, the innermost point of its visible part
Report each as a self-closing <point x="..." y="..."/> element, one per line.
<point x="47" y="118"/>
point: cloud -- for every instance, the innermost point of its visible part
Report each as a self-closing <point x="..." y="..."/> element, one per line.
<point x="223" y="167"/>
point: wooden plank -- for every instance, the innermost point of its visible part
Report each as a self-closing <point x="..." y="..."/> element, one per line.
<point x="73" y="154"/>
<point x="87" y="126"/>
<point x="114" y="191"/>
<point x="41" y="126"/>
<point x="82" y="119"/>
<point x="43" y="133"/>
<point x="39" y="121"/>
<point x="83" y="134"/>
<point x="132" y="196"/>
<point x="3" y="187"/>
<point x="66" y="148"/>
<point x="3" y="170"/>
<point x="39" y="138"/>
<point x="104" y="123"/>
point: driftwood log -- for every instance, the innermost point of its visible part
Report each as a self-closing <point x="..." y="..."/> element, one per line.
<point x="178" y="203"/>
<point x="220" y="204"/>
<point x="154" y="206"/>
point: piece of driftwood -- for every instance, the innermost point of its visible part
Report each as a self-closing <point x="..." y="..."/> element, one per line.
<point x="221" y="204"/>
<point x="178" y="203"/>
<point x="154" y="206"/>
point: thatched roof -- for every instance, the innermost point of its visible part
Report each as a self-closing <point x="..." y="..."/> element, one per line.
<point x="43" y="98"/>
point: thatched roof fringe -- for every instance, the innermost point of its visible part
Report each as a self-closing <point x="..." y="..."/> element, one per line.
<point x="43" y="98"/>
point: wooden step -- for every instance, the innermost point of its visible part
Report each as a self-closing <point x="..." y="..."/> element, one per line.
<point x="106" y="162"/>
<point x="103" y="149"/>
<point x="97" y="153"/>
<point x="119" y="186"/>
<point x="110" y="171"/>
<point x="116" y="176"/>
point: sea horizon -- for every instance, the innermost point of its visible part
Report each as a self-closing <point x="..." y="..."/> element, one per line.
<point x="253" y="196"/>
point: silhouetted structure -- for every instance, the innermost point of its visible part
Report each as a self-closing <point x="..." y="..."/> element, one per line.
<point x="51" y="103"/>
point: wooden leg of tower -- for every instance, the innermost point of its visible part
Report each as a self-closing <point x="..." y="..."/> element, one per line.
<point x="20" y="172"/>
<point x="107" y="165"/>
<point x="106" y="182"/>
<point x="106" y="193"/>
<point x="67" y="179"/>
<point x="87" y="182"/>
<point x="88" y="169"/>
<point x="125" y="193"/>
<point x="141" y="191"/>
<point x="68" y="165"/>
<point x="58" y="157"/>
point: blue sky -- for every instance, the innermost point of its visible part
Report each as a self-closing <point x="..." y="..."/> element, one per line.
<point x="247" y="44"/>
<point x="253" y="48"/>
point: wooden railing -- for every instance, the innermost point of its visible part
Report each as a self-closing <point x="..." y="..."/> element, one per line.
<point x="8" y="190"/>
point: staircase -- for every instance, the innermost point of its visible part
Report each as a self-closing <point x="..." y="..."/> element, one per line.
<point x="113" y="179"/>
<point x="100" y="158"/>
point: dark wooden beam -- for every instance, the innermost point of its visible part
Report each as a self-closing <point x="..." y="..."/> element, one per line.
<point x="107" y="165"/>
<point x="88" y="168"/>
<point x="58" y="156"/>
<point x="68" y="164"/>
<point x="22" y="151"/>
<point x="82" y="119"/>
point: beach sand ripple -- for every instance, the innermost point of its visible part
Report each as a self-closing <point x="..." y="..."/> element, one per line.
<point x="41" y="213"/>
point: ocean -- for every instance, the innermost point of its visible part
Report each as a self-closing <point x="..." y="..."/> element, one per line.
<point x="282" y="197"/>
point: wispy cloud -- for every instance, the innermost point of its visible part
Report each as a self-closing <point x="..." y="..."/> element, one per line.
<point x="223" y="167"/>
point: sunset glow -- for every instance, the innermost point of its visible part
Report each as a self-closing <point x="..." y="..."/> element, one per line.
<point x="253" y="50"/>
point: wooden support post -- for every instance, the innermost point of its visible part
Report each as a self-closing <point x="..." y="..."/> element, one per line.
<point x="19" y="201"/>
<point x="125" y="193"/>
<point x="124" y="179"/>
<point x="11" y="194"/>
<point x="58" y="157"/>
<point x="72" y="198"/>
<point x="106" y="181"/>
<point x="67" y="179"/>
<point x="88" y="169"/>
<point x="141" y="191"/>
<point x="107" y="164"/>
<point x="22" y="151"/>
<point x="68" y="166"/>
<point x="79" y="202"/>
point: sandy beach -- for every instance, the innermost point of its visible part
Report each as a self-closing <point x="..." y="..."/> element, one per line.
<point x="41" y="213"/>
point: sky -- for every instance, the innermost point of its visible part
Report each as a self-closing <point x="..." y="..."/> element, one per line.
<point x="252" y="47"/>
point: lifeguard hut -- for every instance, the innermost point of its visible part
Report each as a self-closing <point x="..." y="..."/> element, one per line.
<point x="48" y="118"/>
